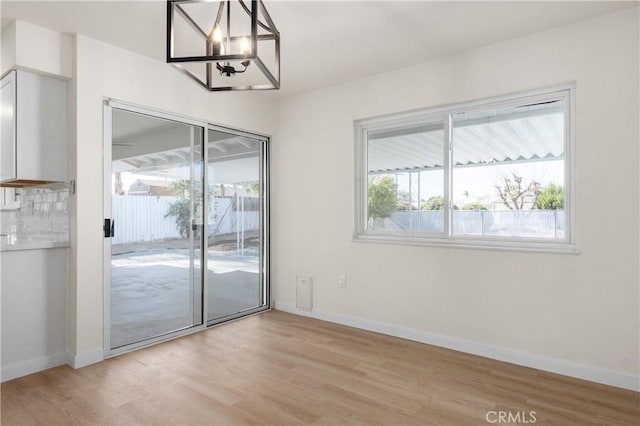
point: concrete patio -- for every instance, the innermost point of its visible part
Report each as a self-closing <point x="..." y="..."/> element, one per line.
<point x="151" y="290"/>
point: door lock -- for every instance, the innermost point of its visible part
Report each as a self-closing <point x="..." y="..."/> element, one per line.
<point x="109" y="228"/>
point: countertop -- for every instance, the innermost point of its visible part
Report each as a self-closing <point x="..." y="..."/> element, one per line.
<point x="13" y="243"/>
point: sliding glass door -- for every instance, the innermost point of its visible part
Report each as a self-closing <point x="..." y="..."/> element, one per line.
<point x="236" y="240"/>
<point x="185" y="227"/>
<point x="155" y="230"/>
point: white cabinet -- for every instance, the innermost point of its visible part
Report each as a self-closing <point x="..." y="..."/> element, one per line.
<point x="33" y="311"/>
<point x="34" y="129"/>
<point x="8" y="129"/>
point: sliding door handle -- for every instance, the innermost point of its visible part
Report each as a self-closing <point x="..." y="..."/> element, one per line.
<point x="109" y="228"/>
<point x="106" y="228"/>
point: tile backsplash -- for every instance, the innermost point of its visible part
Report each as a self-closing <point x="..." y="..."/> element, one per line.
<point x="34" y="214"/>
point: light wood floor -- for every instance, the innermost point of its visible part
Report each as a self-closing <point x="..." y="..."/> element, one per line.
<point x="283" y="369"/>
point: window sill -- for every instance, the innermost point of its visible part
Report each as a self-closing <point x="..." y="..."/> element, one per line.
<point x="529" y="246"/>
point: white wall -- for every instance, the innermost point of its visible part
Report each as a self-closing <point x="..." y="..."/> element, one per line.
<point x="8" y="47"/>
<point x="32" y="47"/>
<point x="576" y="314"/>
<point x="103" y="70"/>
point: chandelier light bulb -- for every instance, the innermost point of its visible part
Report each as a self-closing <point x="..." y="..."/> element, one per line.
<point x="217" y="34"/>
<point x="244" y="46"/>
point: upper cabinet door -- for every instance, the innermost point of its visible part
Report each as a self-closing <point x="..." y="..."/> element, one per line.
<point x="8" y="128"/>
<point x="34" y="129"/>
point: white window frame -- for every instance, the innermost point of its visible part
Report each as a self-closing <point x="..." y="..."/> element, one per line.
<point x="445" y="114"/>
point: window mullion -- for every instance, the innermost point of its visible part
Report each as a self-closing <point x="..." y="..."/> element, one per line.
<point x="448" y="142"/>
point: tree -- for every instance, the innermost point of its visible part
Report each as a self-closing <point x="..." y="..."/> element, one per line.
<point x="403" y="205"/>
<point x="181" y="208"/>
<point x="513" y="191"/>
<point x="474" y="205"/>
<point x="433" y="203"/>
<point x="381" y="197"/>
<point x="252" y="188"/>
<point x="550" y="198"/>
<point x="402" y="201"/>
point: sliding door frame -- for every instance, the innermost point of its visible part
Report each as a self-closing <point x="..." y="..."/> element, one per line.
<point x="108" y="105"/>
<point x="107" y="141"/>
<point x="265" y="289"/>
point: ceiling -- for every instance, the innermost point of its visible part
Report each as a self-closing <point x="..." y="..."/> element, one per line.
<point x="329" y="42"/>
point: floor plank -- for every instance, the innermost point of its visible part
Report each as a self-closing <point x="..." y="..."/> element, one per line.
<point x="282" y="369"/>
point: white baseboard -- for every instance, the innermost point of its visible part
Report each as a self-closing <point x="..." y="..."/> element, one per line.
<point x="87" y="358"/>
<point x="23" y="368"/>
<point x="527" y="359"/>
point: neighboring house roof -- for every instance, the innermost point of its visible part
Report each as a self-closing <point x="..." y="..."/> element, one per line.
<point x="151" y="187"/>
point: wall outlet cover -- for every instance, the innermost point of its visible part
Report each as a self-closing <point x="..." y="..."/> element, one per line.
<point x="304" y="293"/>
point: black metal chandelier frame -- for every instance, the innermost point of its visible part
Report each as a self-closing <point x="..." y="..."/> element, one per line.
<point x="215" y="59"/>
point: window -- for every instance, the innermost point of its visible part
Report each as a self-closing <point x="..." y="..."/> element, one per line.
<point x="494" y="173"/>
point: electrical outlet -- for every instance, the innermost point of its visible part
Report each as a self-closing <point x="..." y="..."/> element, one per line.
<point x="342" y="281"/>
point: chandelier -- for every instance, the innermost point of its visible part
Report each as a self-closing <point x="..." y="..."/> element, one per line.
<point x="224" y="45"/>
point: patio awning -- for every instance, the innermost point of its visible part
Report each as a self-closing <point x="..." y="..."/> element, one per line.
<point x="161" y="148"/>
<point x="478" y="139"/>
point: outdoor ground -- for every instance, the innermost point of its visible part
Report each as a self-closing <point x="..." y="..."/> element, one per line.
<point x="151" y="291"/>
